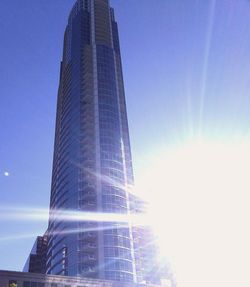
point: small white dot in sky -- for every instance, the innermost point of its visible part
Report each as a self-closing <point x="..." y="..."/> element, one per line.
<point x="6" y="173"/>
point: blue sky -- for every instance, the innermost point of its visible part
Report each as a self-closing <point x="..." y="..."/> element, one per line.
<point x="186" y="70"/>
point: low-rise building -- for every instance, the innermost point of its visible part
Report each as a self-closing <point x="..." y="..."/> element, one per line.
<point x="23" y="279"/>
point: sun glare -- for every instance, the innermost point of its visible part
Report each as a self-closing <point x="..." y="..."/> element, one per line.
<point x="198" y="196"/>
<point x="199" y="207"/>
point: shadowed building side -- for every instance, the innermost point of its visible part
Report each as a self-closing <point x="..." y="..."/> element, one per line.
<point x="36" y="262"/>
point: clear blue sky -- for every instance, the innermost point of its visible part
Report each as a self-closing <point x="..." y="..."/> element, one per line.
<point x="186" y="66"/>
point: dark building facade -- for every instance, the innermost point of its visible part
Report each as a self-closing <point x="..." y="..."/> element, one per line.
<point x="92" y="169"/>
<point x="36" y="262"/>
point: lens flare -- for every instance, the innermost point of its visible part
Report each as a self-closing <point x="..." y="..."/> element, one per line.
<point x="199" y="203"/>
<point x="39" y="214"/>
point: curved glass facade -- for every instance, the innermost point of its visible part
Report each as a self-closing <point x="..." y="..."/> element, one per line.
<point x="92" y="167"/>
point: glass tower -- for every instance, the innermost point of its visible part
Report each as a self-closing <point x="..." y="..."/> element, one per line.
<point x="92" y="168"/>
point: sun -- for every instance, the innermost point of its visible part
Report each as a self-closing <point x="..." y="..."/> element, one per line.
<point x="198" y="195"/>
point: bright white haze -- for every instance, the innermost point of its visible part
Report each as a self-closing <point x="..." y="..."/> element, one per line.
<point x="199" y="204"/>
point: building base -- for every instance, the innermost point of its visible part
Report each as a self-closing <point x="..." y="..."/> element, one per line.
<point x="23" y="279"/>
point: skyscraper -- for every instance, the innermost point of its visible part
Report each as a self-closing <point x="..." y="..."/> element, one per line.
<point x="92" y="168"/>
